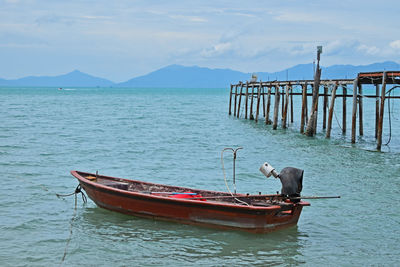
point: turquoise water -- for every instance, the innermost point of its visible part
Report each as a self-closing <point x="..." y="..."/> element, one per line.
<point x="175" y="136"/>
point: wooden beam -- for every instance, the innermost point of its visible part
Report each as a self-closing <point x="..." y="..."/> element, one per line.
<point x="251" y="102"/>
<point x="344" y="87"/>
<point x="240" y="99"/>
<point x="331" y="109"/>
<point x="267" y="120"/>
<point x="376" y="110"/>
<point x="276" y="108"/>
<point x="325" y="107"/>
<point x="230" y="100"/>
<point x="360" y="110"/>
<point x="380" y="124"/>
<point x="303" y="107"/>
<point x="258" y="102"/>
<point x="284" y="115"/>
<point x="234" y="110"/>
<point x="247" y="100"/>
<point x="354" y="113"/>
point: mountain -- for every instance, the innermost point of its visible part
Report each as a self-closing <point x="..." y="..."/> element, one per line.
<point x="72" y="79"/>
<point x="178" y="76"/>
<point x="198" y="77"/>
<point x="187" y="77"/>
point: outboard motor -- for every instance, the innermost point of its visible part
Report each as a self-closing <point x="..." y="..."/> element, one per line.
<point x="291" y="179"/>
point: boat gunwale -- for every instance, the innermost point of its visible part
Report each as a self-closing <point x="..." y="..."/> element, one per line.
<point x="77" y="174"/>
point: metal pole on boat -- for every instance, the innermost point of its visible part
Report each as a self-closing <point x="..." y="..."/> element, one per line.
<point x="234" y="167"/>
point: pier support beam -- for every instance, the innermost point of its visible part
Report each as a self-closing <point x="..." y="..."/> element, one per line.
<point x="240" y="99"/>
<point x="258" y="102"/>
<point x="234" y="110"/>
<point x="230" y="100"/>
<point x="376" y="109"/>
<point x="267" y="120"/>
<point x="360" y="110"/>
<point x="354" y="114"/>
<point x="380" y="124"/>
<point x="251" y="102"/>
<point x="331" y="109"/>
<point x="276" y="108"/>
<point x="344" y="87"/>
<point x="325" y="107"/>
<point x="303" y="107"/>
<point x="247" y="101"/>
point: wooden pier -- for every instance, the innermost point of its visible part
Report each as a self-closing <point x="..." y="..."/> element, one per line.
<point x="283" y="95"/>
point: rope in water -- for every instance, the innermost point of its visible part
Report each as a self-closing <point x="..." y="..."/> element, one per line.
<point x="84" y="198"/>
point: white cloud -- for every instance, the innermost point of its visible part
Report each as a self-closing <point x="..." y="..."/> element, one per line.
<point x="369" y="50"/>
<point x="395" y="44"/>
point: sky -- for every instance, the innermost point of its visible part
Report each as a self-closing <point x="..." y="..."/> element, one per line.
<point x="120" y="40"/>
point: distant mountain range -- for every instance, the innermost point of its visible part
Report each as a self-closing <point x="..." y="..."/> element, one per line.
<point x="177" y="76"/>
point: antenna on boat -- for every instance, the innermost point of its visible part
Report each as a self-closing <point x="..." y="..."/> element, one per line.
<point x="234" y="151"/>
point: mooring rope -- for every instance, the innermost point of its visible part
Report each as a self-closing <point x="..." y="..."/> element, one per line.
<point x="84" y="198"/>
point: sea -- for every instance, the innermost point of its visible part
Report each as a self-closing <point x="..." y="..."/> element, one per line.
<point x="175" y="136"/>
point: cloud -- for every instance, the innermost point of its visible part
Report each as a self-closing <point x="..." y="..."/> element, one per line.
<point x="395" y="44"/>
<point x="369" y="50"/>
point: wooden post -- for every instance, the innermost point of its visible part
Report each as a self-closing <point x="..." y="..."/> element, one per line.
<point x="263" y="98"/>
<point x="360" y="110"/>
<point x="325" y="106"/>
<point x="247" y="100"/>
<point x="303" y="107"/>
<point x="316" y="111"/>
<point x="240" y="99"/>
<point x="306" y="104"/>
<point x="267" y="120"/>
<point x="354" y="114"/>
<point x="276" y="108"/>
<point x="331" y="108"/>
<point x="344" y="87"/>
<point x="291" y="104"/>
<point x="251" y="102"/>
<point x="234" y="110"/>
<point x="258" y="102"/>
<point x="230" y="100"/>
<point x="376" y="110"/>
<point x="284" y="115"/>
<point x="283" y="102"/>
<point x="380" y="124"/>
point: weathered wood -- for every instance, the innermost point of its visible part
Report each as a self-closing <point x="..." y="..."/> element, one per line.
<point x="283" y="102"/>
<point x="247" y="100"/>
<point x="325" y="107"/>
<point x="240" y="100"/>
<point x="381" y="111"/>
<point x="263" y="98"/>
<point x="303" y="107"/>
<point x="354" y="114"/>
<point x="230" y="100"/>
<point x="251" y="102"/>
<point x="376" y="110"/>
<point x="291" y="103"/>
<point x="316" y="111"/>
<point x="331" y="109"/>
<point x="276" y="108"/>
<point x="360" y="110"/>
<point x="284" y="116"/>
<point x="267" y="120"/>
<point x="258" y="102"/>
<point x="344" y="87"/>
<point x="234" y="110"/>
<point x="306" y="105"/>
<point x="312" y="122"/>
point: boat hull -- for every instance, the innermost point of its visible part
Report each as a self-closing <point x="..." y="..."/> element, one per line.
<point x="206" y="213"/>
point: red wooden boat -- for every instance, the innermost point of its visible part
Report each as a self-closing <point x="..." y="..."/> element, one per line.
<point x="253" y="213"/>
